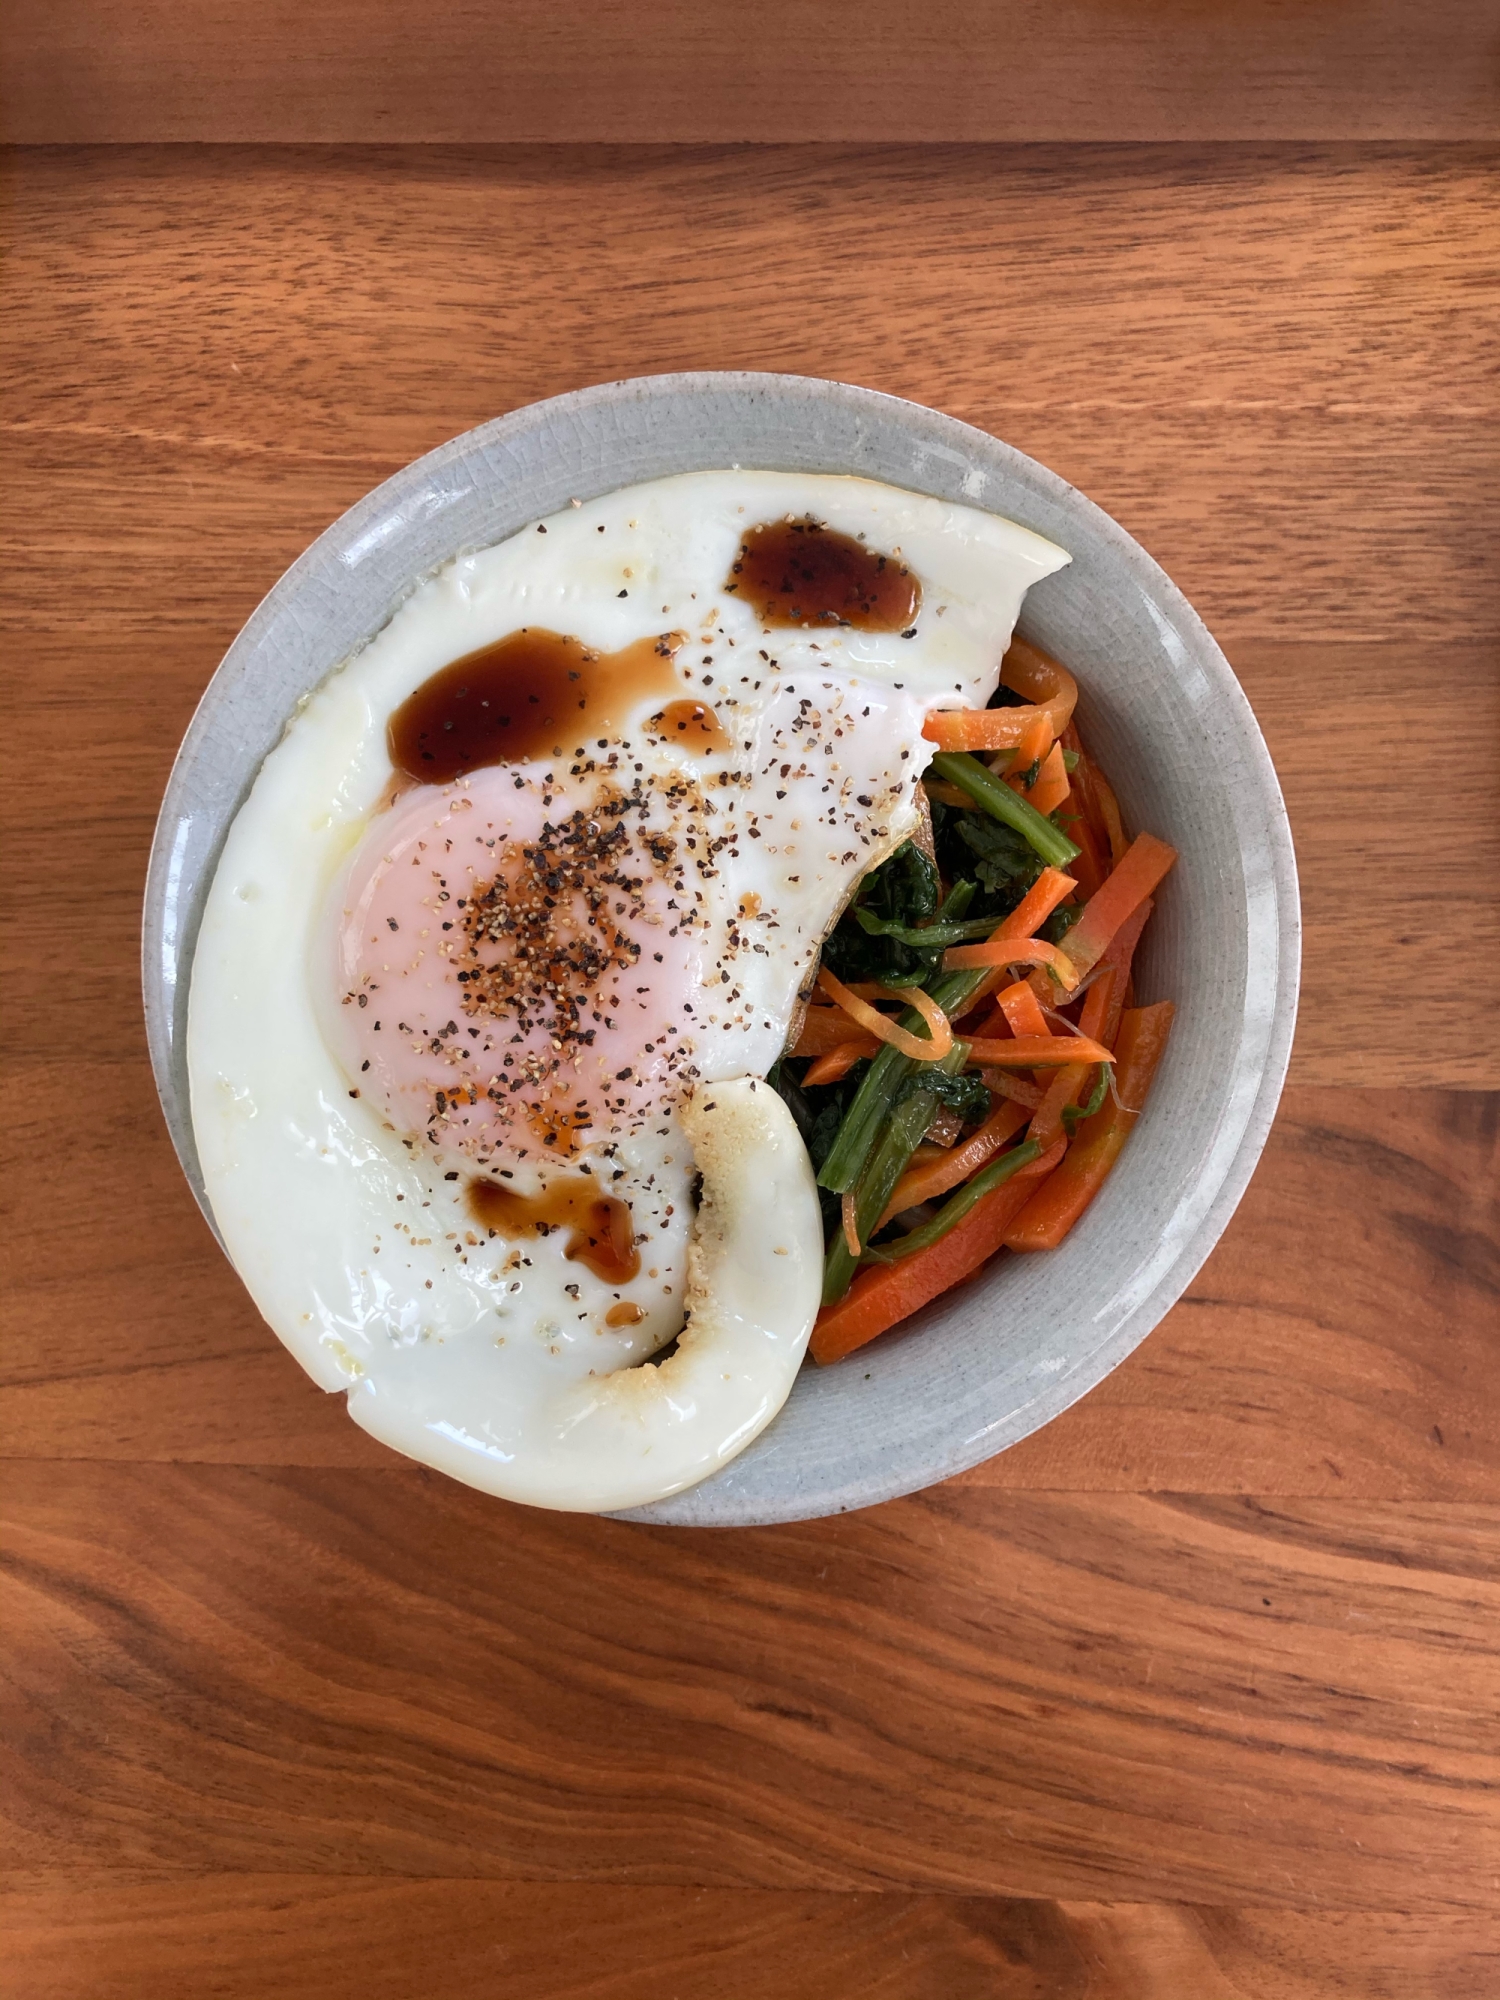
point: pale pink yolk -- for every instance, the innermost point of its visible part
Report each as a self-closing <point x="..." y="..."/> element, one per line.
<point x="516" y="969"/>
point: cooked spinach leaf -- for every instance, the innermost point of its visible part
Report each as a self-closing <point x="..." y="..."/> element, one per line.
<point x="1074" y="1114"/>
<point x="895" y="929"/>
<point x="903" y="889"/>
<point x="966" y="1093"/>
<point x="1057" y="926"/>
<point x="1005" y="864"/>
<point x="789" y="1090"/>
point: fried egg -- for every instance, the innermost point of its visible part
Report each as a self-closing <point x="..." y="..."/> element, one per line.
<point x="514" y="922"/>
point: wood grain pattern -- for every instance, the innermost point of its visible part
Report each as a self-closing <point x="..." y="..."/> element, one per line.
<point x="1189" y="1697"/>
<point x="1276" y="368"/>
<point x="1371" y="877"/>
<point x="1307" y="341"/>
<point x="86" y="70"/>
<point x="1340" y="1340"/>
<point x="1107" y="1697"/>
<point x="241" y="1937"/>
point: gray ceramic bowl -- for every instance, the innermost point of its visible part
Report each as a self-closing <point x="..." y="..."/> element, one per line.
<point x="973" y="1374"/>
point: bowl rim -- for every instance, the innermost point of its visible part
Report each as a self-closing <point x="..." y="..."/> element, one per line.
<point x="167" y="949"/>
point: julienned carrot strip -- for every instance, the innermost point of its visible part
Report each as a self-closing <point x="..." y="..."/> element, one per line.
<point x="1022" y="1011"/>
<point x="975" y="728"/>
<point x="1091" y="865"/>
<point x="1046" y="1125"/>
<point x="1067" y="1086"/>
<point x="1052" y="783"/>
<point x="1045" y="682"/>
<point x="1010" y="951"/>
<point x="1117" y="960"/>
<point x="1051" y="1212"/>
<point x="1036" y="1052"/>
<point x="1086" y="796"/>
<point x="848" y="1215"/>
<point x="934" y="1177"/>
<point x="838" y="1062"/>
<point x="1095" y="1010"/>
<point x="823" y="1028"/>
<point x="1136" y="877"/>
<point x="884" y="1294"/>
<point x="1027" y="670"/>
<point x="1109" y="812"/>
<point x="1049" y="889"/>
<point x="1004" y="1085"/>
<point x="1034" y="908"/>
<point x="930" y="1048"/>
<point x="945" y="794"/>
<point x="1033" y="747"/>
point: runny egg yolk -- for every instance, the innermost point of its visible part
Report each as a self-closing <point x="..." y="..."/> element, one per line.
<point x="517" y="978"/>
<point x="526" y="940"/>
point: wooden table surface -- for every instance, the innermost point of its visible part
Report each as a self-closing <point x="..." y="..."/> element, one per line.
<point x="1192" y="1695"/>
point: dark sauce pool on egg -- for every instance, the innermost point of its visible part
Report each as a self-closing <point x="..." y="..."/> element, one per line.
<point x="799" y="572"/>
<point x="533" y="694"/>
<point x="537" y="694"/>
<point x="602" y="1232"/>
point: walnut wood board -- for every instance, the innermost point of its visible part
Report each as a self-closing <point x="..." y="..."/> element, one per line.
<point x="1218" y="1699"/>
<point x="243" y="1936"/>
<point x="1189" y="1696"/>
<point x="1277" y="370"/>
<point x="1340" y="1339"/>
<point x="680" y="70"/>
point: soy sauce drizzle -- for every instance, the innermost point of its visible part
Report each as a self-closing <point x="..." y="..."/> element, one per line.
<point x="692" y="723"/>
<point x="602" y="1230"/>
<point x="801" y="572"/>
<point x="532" y="694"/>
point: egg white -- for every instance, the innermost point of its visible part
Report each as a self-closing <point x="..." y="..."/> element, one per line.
<point x="481" y="1357"/>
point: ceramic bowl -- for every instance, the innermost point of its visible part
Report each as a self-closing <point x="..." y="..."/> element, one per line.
<point x="1159" y="704"/>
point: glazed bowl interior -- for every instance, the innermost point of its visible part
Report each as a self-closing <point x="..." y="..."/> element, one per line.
<point x="1159" y="706"/>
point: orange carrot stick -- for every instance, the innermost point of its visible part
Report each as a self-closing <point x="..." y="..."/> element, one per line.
<point x="1033" y="747"/>
<point x="1109" y="812"/>
<point x="1023" y="1014"/>
<point x="838" y="1062"/>
<point x="920" y="1049"/>
<point x="1091" y="864"/>
<point x="882" y="1295"/>
<point x="1011" y="951"/>
<point x="1003" y="1084"/>
<point x="1049" y="889"/>
<point x="824" y="1028"/>
<point x="1027" y="670"/>
<point x="1034" y="908"/>
<point x="944" y="794"/>
<point x="1117" y="959"/>
<point x="1051" y="1212"/>
<point x="1146" y="862"/>
<point x="1068" y="1085"/>
<point x="1052" y="783"/>
<point x="1045" y="683"/>
<point x="849" y="1217"/>
<point x="1046" y="1124"/>
<point x="959" y="1163"/>
<point x="1086" y="782"/>
<point x="1036" y="1052"/>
